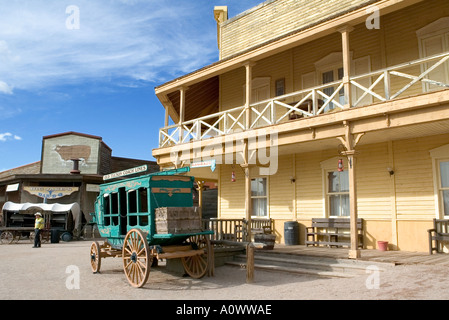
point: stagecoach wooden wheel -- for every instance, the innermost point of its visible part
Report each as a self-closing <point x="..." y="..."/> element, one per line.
<point x="136" y="258"/>
<point x="196" y="266"/>
<point x="7" y="237"/>
<point x="95" y="258"/>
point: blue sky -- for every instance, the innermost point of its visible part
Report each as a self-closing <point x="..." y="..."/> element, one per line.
<point x="99" y="78"/>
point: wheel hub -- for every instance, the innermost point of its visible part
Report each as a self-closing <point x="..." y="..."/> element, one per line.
<point x="92" y="257"/>
<point x="134" y="257"/>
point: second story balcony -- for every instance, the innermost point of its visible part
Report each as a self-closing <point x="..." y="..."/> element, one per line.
<point x="403" y="80"/>
<point x="336" y="71"/>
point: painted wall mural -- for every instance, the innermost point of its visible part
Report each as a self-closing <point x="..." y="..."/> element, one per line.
<point x="58" y="153"/>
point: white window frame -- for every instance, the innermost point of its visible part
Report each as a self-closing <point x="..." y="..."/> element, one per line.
<point x="436" y="29"/>
<point x="327" y="166"/>
<point x="338" y="193"/>
<point x="261" y="197"/>
<point x="438" y="155"/>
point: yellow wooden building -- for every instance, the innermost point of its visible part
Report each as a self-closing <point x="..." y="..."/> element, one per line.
<point x="302" y="87"/>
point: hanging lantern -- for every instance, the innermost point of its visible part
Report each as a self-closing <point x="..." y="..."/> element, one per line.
<point x="233" y="176"/>
<point x="340" y="165"/>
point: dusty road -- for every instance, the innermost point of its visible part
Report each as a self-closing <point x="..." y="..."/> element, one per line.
<point x="62" y="271"/>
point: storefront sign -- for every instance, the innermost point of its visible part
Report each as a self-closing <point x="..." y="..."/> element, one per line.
<point x="125" y="172"/>
<point x="205" y="163"/>
<point x="50" y="192"/>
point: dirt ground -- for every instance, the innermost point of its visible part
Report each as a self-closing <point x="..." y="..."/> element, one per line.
<point x="61" y="271"/>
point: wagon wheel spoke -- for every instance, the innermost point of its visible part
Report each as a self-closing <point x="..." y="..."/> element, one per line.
<point x="136" y="258"/>
<point x="95" y="258"/>
<point x="197" y="266"/>
<point x="7" y="237"/>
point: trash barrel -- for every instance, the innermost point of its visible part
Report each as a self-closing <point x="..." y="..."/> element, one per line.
<point x="291" y="233"/>
<point x="66" y="236"/>
<point x="54" y="236"/>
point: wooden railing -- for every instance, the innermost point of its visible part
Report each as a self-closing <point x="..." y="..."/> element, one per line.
<point x="390" y="83"/>
<point x="378" y="86"/>
<point x="236" y="229"/>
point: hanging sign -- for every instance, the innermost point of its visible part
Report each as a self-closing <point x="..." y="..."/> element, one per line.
<point x="50" y="192"/>
<point x="204" y="163"/>
<point x="125" y="172"/>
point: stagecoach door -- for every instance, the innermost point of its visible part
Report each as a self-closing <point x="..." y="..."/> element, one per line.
<point x="123" y="211"/>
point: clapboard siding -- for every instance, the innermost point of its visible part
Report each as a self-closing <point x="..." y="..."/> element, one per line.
<point x="281" y="190"/>
<point x="273" y="19"/>
<point x="414" y="177"/>
<point x="232" y="194"/>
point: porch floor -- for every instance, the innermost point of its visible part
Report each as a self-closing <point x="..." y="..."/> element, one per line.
<point x="393" y="257"/>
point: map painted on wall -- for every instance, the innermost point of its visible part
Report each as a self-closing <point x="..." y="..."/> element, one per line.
<point x="59" y="152"/>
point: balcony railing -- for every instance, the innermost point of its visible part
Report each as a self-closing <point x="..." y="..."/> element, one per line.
<point x="379" y="86"/>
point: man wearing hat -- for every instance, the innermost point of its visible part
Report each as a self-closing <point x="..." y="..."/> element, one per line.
<point x="38" y="226"/>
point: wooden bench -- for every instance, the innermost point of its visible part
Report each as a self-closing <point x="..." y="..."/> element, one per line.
<point x="332" y="232"/>
<point x="438" y="234"/>
<point x="261" y="225"/>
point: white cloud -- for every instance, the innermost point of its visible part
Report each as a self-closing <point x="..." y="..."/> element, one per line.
<point x="132" y="39"/>
<point x="4" y="88"/>
<point x="9" y="136"/>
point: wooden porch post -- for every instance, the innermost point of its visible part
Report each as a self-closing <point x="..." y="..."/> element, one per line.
<point x="248" y="89"/>
<point x="182" y="106"/>
<point x="354" y="251"/>
<point x="166" y="118"/>
<point x="248" y="209"/>
<point x="350" y="141"/>
<point x="200" y="189"/>
<point x="346" y="63"/>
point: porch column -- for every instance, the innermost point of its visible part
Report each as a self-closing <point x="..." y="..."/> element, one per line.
<point x="166" y="118"/>
<point x="346" y="63"/>
<point x="354" y="251"/>
<point x="200" y="188"/>
<point x="350" y="141"/>
<point x="248" y="209"/>
<point x="182" y="106"/>
<point x="248" y="90"/>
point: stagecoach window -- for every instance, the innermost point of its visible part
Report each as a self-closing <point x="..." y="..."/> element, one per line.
<point x="114" y="202"/>
<point x="106" y="204"/>
<point x="143" y="200"/>
<point x="143" y="221"/>
<point x="132" y="200"/>
<point x="107" y="209"/>
<point x="132" y="220"/>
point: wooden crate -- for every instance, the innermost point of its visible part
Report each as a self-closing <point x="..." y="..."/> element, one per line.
<point x="177" y="220"/>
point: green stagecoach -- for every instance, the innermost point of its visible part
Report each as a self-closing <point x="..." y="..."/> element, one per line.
<point x="147" y="218"/>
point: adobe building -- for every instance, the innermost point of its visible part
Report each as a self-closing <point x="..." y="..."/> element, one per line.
<point x="71" y="169"/>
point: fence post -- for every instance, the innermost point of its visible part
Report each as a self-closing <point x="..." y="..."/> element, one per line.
<point x="249" y="263"/>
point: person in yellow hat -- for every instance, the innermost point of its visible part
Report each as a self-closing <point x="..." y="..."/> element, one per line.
<point x="38" y="226"/>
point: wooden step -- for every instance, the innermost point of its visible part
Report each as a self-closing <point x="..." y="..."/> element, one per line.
<point x="276" y="268"/>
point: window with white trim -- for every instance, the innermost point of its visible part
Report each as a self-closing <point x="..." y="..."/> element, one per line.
<point x="259" y="197"/>
<point x="434" y="39"/>
<point x="331" y="76"/>
<point x="440" y="165"/>
<point x="338" y="193"/>
<point x="443" y="186"/>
